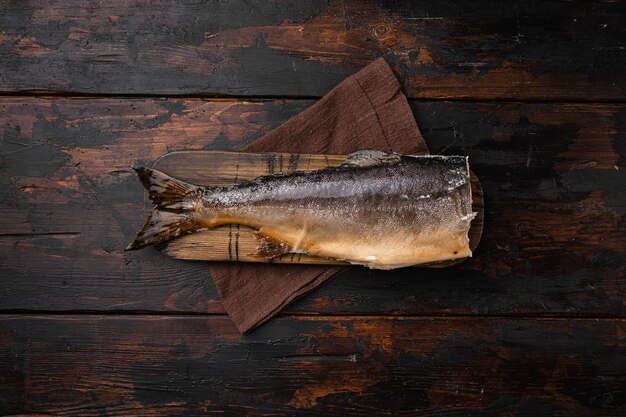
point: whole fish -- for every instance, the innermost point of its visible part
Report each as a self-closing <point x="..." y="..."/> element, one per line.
<point x="378" y="209"/>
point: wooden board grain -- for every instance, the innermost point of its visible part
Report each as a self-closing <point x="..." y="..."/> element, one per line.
<point x="238" y="243"/>
<point x="302" y="366"/>
<point x="553" y="174"/>
<point x="440" y="49"/>
<point x="532" y="326"/>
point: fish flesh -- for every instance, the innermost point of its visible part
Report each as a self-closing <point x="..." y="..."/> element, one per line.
<point x="381" y="210"/>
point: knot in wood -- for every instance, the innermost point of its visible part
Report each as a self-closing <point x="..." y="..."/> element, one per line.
<point x="380" y="31"/>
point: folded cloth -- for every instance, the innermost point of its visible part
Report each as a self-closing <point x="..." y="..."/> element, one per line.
<point x="365" y="111"/>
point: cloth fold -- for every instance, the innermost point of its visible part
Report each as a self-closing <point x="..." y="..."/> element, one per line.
<point x="366" y="111"/>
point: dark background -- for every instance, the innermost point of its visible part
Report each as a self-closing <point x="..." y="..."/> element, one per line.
<point x="534" y="325"/>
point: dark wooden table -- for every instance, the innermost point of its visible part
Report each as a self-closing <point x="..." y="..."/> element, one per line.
<point x="533" y="325"/>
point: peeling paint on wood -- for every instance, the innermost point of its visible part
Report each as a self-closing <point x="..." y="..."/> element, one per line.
<point x="554" y="239"/>
<point x="130" y="365"/>
<point x="532" y="326"/>
<point x="526" y="50"/>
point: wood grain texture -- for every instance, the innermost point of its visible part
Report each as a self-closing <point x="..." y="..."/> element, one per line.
<point x="143" y="334"/>
<point x="238" y="243"/>
<point x="535" y="50"/>
<point x="553" y="174"/>
<point x="331" y="366"/>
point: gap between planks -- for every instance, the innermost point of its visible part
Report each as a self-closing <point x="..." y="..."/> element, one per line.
<point x="45" y="94"/>
<point x="315" y="316"/>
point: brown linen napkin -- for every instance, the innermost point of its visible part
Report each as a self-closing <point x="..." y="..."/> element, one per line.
<point x="365" y="111"/>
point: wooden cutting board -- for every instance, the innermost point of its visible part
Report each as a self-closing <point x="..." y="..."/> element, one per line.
<point x="237" y="243"/>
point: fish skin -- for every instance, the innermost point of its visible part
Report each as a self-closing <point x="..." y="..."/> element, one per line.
<point x="380" y="210"/>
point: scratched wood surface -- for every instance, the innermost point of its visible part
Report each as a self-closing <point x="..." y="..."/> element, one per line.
<point x="238" y="243"/>
<point x="532" y="325"/>
<point x="302" y="366"/>
<point x="554" y="248"/>
<point x="553" y="176"/>
<point x="439" y="48"/>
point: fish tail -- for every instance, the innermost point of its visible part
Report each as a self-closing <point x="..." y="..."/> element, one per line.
<point x="174" y="209"/>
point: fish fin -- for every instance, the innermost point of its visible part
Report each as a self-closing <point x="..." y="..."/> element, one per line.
<point x="162" y="226"/>
<point x="173" y="214"/>
<point x="269" y="247"/>
<point x="370" y="157"/>
<point x="164" y="191"/>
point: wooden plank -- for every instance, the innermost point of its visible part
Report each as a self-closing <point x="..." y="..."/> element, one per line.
<point x="227" y="168"/>
<point x="440" y="49"/>
<point x="553" y="174"/>
<point x="128" y="366"/>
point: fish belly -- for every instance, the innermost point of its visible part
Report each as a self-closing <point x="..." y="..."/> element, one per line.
<point x="378" y="249"/>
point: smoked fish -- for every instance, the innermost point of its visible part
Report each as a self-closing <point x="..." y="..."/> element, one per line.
<point x="381" y="210"/>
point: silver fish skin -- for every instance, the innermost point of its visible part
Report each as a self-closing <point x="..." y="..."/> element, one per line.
<point x="377" y="209"/>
